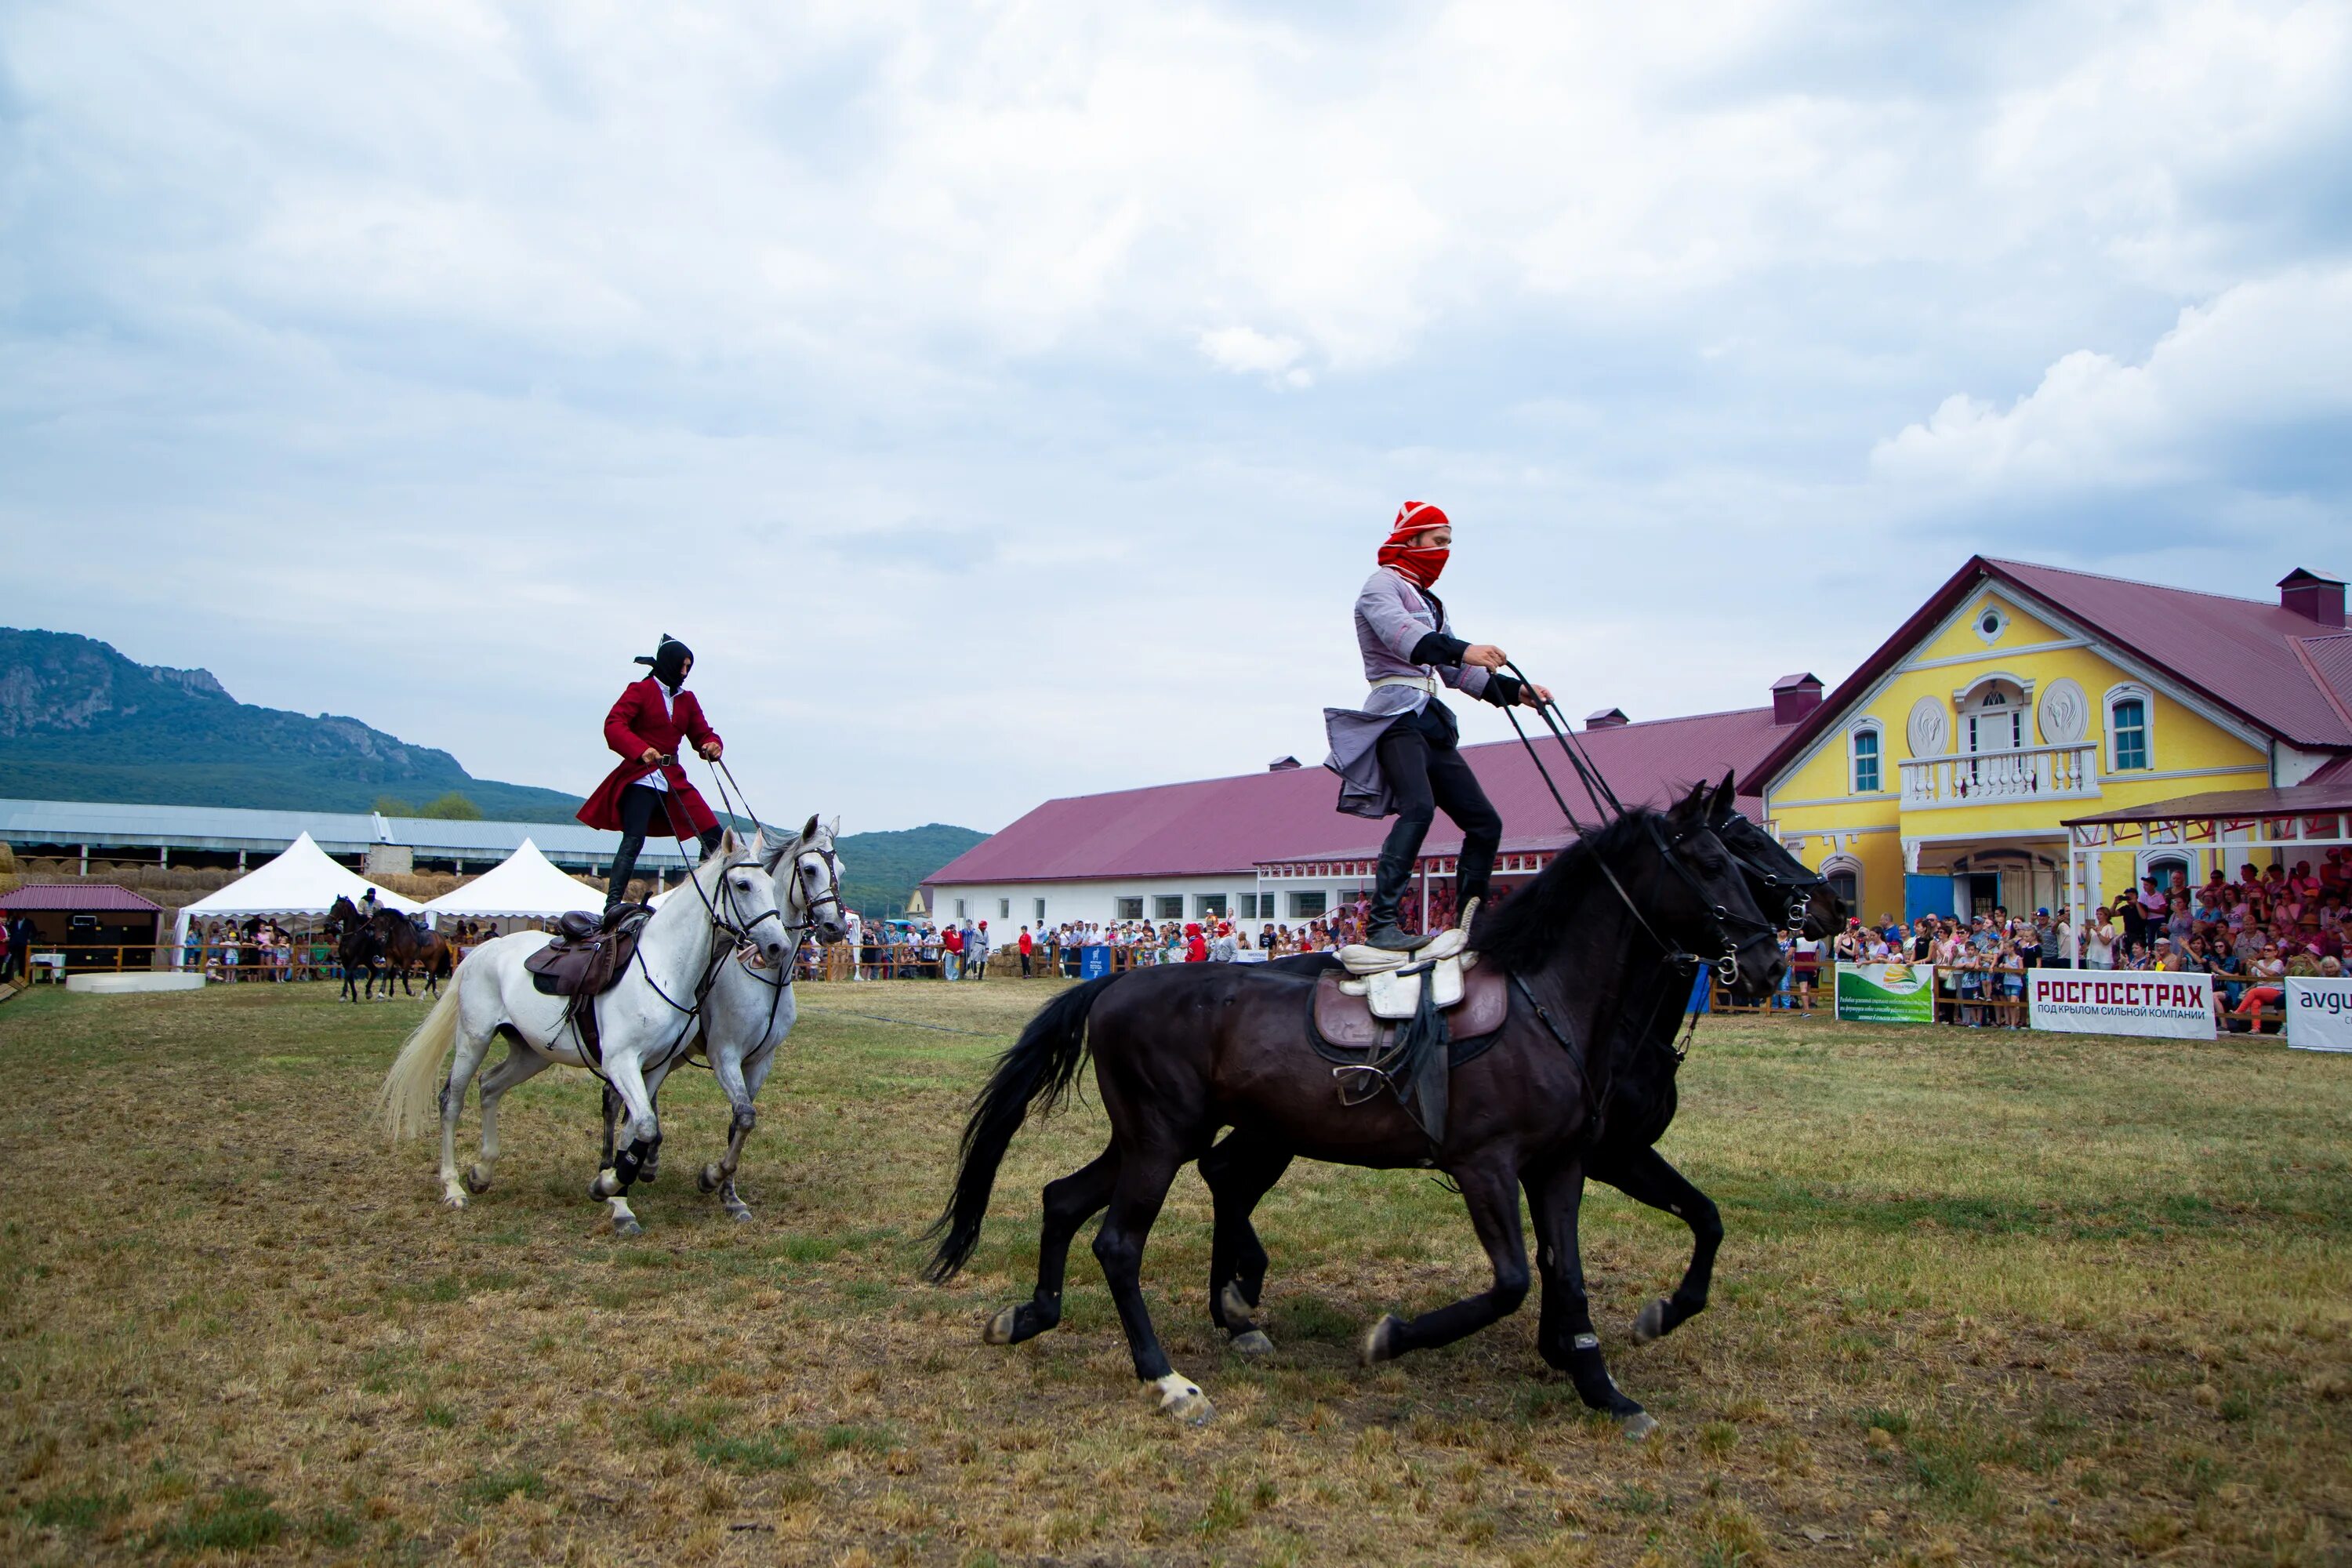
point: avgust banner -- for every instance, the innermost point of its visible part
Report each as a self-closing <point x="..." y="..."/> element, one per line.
<point x="1886" y="993"/>
<point x="2122" y="1002"/>
<point x="2318" y="1013"/>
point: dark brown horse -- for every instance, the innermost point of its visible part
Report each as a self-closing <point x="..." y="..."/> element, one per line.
<point x="357" y="950"/>
<point x="1182" y="1050"/>
<point x="1246" y="1165"/>
<point x="405" y="945"/>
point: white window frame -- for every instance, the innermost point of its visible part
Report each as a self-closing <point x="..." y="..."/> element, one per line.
<point x="959" y="914"/>
<point x="1040" y="918"/>
<point x="1877" y="731"/>
<point x="1993" y="608"/>
<point x="1121" y="910"/>
<point x="1297" y="913"/>
<point x="1159" y="909"/>
<point x="1843" y="863"/>
<point x="1200" y="909"/>
<point x="2129" y="692"/>
<point x="1005" y="908"/>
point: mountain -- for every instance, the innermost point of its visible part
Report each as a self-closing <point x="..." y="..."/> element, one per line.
<point x="879" y="870"/>
<point x="79" y="721"/>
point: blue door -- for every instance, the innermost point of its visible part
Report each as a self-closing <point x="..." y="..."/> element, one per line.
<point x="1928" y="893"/>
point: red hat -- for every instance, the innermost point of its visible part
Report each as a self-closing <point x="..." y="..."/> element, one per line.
<point x="1416" y="516"/>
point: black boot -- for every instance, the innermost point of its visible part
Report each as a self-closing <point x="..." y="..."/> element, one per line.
<point x="1394" y="876"/>
<point x="625" y="865"/>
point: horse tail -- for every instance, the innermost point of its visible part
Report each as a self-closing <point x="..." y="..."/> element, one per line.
<point x="410" y="1099"/>
<point x="1036" y="1072"/>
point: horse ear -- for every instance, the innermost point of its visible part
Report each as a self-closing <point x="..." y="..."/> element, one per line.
<point x="808" y="830"/>
<point x="833" y="828"/>
<point x="1724" y="795"/>
<point x="729" y="842"/>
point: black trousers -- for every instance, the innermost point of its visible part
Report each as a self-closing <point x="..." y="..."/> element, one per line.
<point x="643" y="809"/>
<point x="1425" y="776"/>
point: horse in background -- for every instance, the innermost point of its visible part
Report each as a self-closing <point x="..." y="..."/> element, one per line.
<point x="403" y="945"/>
<point x="357" y="950"/>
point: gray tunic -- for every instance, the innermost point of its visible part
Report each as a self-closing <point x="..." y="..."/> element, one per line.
<point x="1392" y="617"/>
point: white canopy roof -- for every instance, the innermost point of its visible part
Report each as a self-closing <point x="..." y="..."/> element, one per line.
<point x="300" y="881"/>
<point x="526" y="883"/>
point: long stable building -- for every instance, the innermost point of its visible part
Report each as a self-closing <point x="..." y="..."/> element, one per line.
<point x="229" y="837"/>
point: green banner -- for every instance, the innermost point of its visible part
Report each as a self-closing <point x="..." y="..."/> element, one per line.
<point x="1886" y="993"/>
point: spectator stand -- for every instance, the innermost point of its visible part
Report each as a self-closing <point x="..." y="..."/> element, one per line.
<point x="2229" y="826"/>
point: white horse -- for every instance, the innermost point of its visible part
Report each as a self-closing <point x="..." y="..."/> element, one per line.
<point x="729" y="902"/>
<point x="748" y="1013"/>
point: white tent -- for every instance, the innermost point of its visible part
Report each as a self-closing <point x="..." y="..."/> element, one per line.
<point x="300" y="881"/>
<point x="525" y="884"/>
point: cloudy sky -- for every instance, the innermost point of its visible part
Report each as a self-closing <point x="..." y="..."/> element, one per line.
<point x="1005" y="399"/>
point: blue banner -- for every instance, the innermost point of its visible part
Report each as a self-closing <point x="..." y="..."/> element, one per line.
<point x="1094" y="963"/>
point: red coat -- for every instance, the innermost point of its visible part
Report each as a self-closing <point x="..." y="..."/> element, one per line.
<point x="636" y="723"/>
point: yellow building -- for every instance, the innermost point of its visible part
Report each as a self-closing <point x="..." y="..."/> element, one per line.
<point x="1936" y="779"/>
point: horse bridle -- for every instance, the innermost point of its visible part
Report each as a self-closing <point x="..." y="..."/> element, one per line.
<point x="1800" y="890"/>
<point x="1727" y="964"/>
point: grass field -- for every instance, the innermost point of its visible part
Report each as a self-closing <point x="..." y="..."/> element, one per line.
<point x="2038" y="1298"/>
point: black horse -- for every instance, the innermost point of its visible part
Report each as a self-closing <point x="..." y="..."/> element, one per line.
<point x="405" y="946"/>
<point x="1246" y="1165"/>
<point x="1183" y="1050"/>
<point x="357" y="951"/>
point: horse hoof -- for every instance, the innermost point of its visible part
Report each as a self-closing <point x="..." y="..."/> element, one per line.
<point x="626" y="1224"/>
<point x="1252" y="1344"/>
<point x="709" y="1178"/>
<point x="999" y="1327"/>
<point x="1379" y="1341"/>
<point x="1638" y="1426"/>
<point x="477" y="1180"/>
<point x="649" y="1173"/>
<point x="740" y="1213"/>
<point x="453" y="1199"/>
<point x="1231" y="1301"/>
<point x="1181" y="1397"/>
<point x="1651" y="1322"/>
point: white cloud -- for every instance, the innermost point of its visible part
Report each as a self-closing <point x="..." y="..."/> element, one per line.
<point x="1247" y="352"/>
<point x="2263" y="356"/>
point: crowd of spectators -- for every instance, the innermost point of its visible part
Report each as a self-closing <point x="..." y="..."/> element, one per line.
<point x="2249" y="935"/>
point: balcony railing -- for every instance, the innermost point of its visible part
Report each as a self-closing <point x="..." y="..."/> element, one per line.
<point x="1991" y="778"/>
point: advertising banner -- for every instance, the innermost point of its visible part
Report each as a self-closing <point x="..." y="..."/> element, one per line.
<point x="2319" y="1014"/>
<point x="2122" y="1002"/>
<point x="1094" y="960"/>
<point x="1886" y="993"/>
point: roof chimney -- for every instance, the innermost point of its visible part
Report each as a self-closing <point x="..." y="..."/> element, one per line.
<point x="1794" y="696"/>
<point x="1607" y="719"/>
<point x="1282" y="764"/>
<point x="2314" y="597"/>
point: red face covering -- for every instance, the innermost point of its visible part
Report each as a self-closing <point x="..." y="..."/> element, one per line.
<point x="1417" y="564"/>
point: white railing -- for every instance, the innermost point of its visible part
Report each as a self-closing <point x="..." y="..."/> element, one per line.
<point x="2030" y="773"/>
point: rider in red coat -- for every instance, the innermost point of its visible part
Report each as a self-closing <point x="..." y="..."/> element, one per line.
<point x="649" y="790"/>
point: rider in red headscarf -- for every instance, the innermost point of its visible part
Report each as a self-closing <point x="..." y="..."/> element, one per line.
<point x="1397" y="755"/>
<point x="649" y="791"/>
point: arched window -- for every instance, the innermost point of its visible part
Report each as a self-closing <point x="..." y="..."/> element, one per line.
<point x="1844" y="874"/>
<point x="1863" y="744"/>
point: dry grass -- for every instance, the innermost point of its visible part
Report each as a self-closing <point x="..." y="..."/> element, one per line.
<point x="2031" y="1298"/>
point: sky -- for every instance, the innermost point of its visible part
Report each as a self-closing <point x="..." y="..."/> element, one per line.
<point x="1005" y="400"/>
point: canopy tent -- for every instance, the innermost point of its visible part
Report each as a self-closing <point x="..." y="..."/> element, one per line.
<point x="525" y="885"/>
<point x="300" y="881"/>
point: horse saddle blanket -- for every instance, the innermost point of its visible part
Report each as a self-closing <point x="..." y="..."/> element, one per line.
<point x="1358" y="1015"/>
<point x="589" y="955"/>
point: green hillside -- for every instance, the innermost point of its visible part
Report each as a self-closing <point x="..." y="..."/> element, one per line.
<point x="879" y="870"/>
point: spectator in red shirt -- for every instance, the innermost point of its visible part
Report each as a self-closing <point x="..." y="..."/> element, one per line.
<point x="1026" y="947"/>
<point x="950" y="953"/>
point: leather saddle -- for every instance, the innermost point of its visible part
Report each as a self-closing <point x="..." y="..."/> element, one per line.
<point x="1406" y="1027"/>
<point x="589" y="954"/>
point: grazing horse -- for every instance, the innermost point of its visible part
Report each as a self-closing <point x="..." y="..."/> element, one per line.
<point x="1184" y="1049"/>
<point x="748" y="1013"/>
<point x="405" y="945"/>
<point x="1245" y="1166"/>
<point x="643" y="1020"/>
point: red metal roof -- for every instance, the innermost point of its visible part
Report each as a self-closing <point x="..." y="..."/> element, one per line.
<point x="81" y="896"/>
<point x="2329" y="798"/>
<point x="2255" y="658"/>
<point x="1217" y="826"/>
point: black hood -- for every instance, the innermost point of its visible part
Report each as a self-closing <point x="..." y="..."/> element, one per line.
<point x="669" y="661"/>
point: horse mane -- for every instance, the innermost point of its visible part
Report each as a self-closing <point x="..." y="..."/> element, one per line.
<point x="1523" y="931"/>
